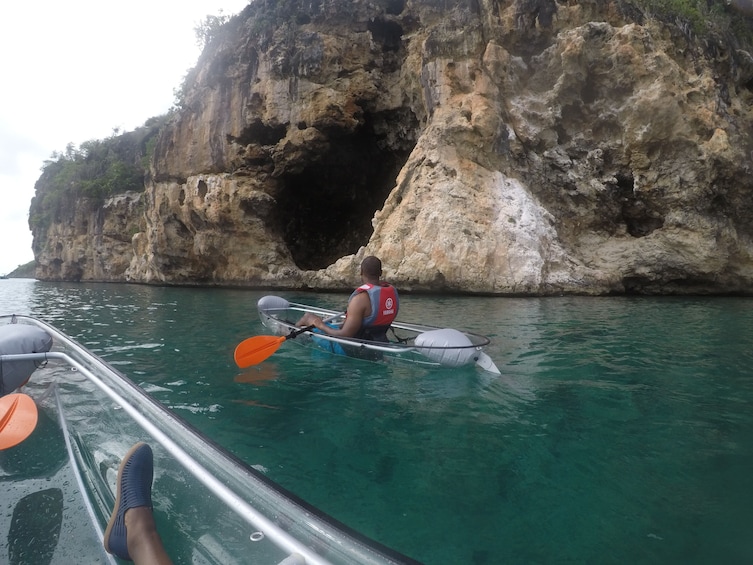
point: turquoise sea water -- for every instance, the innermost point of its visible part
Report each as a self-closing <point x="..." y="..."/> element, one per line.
<point x="620" y="431"/>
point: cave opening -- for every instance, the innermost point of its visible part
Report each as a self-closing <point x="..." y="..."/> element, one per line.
<point x="325" y="210"/>
<point x="258" y="132"/>
<point x="386" y="33"/>
<point x="639" y="217"/>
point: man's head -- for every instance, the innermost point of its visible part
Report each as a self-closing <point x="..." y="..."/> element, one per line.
<point x="371" y="268"/>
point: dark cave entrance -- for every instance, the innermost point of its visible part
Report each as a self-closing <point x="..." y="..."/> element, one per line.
<point x="325" y="211"/>
<point x="639" y="217"/>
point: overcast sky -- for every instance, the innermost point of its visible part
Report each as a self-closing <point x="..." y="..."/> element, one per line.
<point x="75" y="70"/>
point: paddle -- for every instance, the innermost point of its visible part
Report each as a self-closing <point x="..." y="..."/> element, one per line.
<point x="254" y="350"/>
<point x="18" y="418"/>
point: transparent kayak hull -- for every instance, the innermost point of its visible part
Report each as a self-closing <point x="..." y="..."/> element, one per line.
<point x="409" y="343"/>
<point x="210" y="507"/>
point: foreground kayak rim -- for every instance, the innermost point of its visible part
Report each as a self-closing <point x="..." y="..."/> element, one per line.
<point x="279" y="527"/>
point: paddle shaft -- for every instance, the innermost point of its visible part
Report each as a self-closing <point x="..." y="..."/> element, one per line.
<point x="254" y="350"/>
<point x="295" y="333"/>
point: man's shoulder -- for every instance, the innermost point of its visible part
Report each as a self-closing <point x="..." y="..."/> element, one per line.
<point x="360" y="303"/>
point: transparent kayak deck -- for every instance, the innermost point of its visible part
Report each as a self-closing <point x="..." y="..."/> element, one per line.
<point x="211" y="508"/>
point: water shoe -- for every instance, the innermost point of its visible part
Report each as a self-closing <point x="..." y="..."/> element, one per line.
<point x="134" y="489"/>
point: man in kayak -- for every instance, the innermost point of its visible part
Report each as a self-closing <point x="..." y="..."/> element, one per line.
<point x="372" y="307"/>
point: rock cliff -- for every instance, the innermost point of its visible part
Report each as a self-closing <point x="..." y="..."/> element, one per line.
<point x="483" y="146"/>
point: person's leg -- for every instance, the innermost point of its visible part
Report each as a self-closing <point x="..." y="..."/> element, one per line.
<point x="144" y="543"/>
<point x="131" y="532"/>
<point x="307" y="319"/>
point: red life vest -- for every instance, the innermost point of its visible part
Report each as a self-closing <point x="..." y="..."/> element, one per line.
<point x="385" y="303"/>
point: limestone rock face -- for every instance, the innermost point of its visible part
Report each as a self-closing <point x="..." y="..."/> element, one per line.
<point x="520" y="147"/>
<point x="93" y="245"/>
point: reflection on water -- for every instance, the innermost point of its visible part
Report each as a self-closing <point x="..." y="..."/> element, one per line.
<point x="619" y="430"/>
<point x="16" y="295"/>
<point x="259" y="375"/>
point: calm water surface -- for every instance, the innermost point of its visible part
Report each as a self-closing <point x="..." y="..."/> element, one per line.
<point x="620" y="431"/>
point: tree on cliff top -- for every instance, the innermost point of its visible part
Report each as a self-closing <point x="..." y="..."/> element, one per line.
<point x="94" y="171"/>
<point x="209" y="28"/>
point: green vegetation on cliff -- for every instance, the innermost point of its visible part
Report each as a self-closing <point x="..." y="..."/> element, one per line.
<point x="703" y="18"/>
<point x="96" y="170"/>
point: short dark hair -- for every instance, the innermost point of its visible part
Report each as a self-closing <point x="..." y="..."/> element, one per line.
<point x="371" y="266"/>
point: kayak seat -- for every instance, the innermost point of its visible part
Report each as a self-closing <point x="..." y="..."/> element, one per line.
<point x="374" y="333"/>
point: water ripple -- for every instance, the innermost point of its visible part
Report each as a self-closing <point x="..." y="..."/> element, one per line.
<point x="619" y="426"/>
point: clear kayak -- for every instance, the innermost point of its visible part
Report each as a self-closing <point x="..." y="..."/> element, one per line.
<point x="411" y="343"/>
<point x="59" y="483"/>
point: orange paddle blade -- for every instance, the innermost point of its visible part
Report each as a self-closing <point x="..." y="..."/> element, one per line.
<point x="18" y="418"/>
<point x="256" y="349"/>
